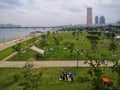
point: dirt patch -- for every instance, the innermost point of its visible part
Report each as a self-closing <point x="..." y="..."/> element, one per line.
<point x="32" y="59"/>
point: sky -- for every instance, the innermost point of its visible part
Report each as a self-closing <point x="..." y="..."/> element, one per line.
<point x="56" y="12"/>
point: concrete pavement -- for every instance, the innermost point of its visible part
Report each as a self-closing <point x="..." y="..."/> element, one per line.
<point x="39" y="64"/>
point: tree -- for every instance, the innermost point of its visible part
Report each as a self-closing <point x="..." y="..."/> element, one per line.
<point x="71" y="48"/>
<point x="18" y="48"/>
<point x="113" y="46"/>
<point x="57" y="40"/>
<point x="73" y="33"/>
<point x="116" y="68"/>
<point x="31" y="79"/>
<point x="8" y="81"/>
<point x="34" y="39"/>
<point x="44" y="41"/>
<point x="48" y="33"/>
<point x="93" y="40"/>
<point x="95" y="70"/>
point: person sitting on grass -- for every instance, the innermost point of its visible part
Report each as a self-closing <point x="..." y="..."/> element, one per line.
<point x="66" y="76"/>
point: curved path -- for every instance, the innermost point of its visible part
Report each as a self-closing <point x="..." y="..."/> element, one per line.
<point x="38" y="64"/>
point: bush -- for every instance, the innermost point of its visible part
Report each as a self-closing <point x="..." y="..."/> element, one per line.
<point x="38" y="56"/>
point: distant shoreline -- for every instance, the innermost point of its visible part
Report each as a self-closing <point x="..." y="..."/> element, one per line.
<point x="10" y="34"/>
<point x="15" y="41"/>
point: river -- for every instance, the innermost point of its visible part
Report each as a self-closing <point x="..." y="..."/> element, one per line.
<point x="9" y="34"/>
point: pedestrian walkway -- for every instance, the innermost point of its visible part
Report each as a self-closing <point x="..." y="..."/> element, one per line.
<point x="39" y="64"/>
<point x="10" y="43"/>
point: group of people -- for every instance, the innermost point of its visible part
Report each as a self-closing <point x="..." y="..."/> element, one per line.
<point x="66" y="76"/>
<point x="29" y="64"/>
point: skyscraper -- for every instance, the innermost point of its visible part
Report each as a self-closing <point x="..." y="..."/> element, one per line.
<point x="89" y="16"/>
<point x="102" y="20"/>
<point x="96" y="20"/>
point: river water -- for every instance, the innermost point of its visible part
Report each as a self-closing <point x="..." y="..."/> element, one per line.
<point x="9" y="34"/>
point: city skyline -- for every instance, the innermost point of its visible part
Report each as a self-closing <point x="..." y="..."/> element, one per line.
<point x="56" y="12"/>
<point x="100" y="20"/>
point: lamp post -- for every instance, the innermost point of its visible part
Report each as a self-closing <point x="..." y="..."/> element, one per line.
<point x="77" y="58"/>
<point x="77" y="63"/>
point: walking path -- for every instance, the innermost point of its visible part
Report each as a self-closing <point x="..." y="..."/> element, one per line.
<point x="10" y="43"/>
<point x="39" y="64"/>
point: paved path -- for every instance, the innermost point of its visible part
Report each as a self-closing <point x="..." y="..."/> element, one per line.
<point x="38" y="64"/>
<point x="10" y="43"/>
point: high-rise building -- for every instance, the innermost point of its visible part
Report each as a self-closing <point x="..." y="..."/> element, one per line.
<point x="89" y="16"/>
<point x="96" y="20"/>
<point x="102" y="20"/>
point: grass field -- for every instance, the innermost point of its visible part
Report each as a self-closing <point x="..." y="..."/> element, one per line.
<point x="8" y="51"/>
<point x="50" y="79"/>
<point x="60" y="53"/>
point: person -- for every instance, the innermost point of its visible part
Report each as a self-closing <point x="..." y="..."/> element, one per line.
<point x="65" y="75"/>
<point x="61" y="78"/>
<point x="71" y="76"/>
<point x="62" y="70"/>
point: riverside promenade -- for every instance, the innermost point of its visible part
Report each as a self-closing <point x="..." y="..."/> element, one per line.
<point x="10" y="43"/>
<point x="39" y="64"/>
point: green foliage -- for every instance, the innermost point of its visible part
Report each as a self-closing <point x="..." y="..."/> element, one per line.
<point x="43" y="36"/>
<point x="38" y="56"/>
<point x="113" y="46"/>
<point x="34" y="39"/>
<point x="48" y="33"/>
<point x="73" y="33"/>
<point x="97" y="83"/>
<point x="61" y="42"/>
<point x="92" y="37"/>
<point x="17" y="47"/>
<point x="24" y="56"/>
<point x="31" y="79"/>
<point x="44" y="40"/>
<point x="8" y="51"/>
<point x="57" y="40"/>
<point x="116" y="68"/>
<point x="50" y="79"/>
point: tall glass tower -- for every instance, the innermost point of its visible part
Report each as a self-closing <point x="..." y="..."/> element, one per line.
<point x="102" y="20"/>
<point x="96" y="20"/>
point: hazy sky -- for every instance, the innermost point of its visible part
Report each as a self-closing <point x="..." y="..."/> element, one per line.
<point x="56" y="12"/>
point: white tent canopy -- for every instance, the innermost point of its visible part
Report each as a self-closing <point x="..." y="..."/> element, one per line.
<point x="34" y="48"/>
<point x="117" y="37"/>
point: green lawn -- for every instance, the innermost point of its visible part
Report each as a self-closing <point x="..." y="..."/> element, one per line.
<point x="50" y="79"/>
<point x="81" y="43"/>
<point x="8" y="51"/>
<point x="24" y="56"/>
<point x="59" y="53"/>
